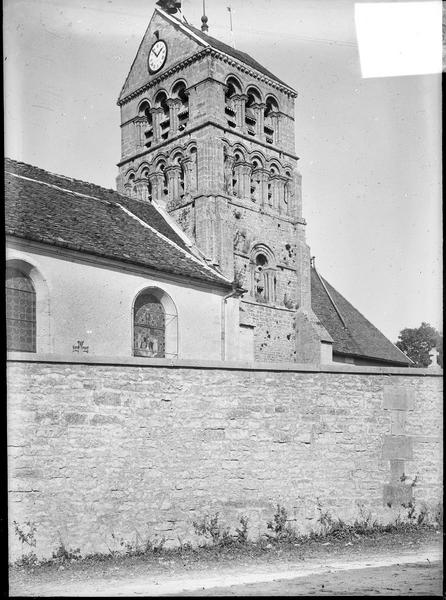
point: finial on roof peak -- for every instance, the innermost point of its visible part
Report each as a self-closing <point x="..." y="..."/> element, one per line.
<point x="170" y="6"/>
<point x="204" y="19"/>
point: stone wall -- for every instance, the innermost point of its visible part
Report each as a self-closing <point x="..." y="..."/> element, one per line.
<point x="149" y="446"/>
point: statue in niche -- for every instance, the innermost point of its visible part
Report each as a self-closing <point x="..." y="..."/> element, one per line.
<point x="288" y="302"/>
<point x="240" y="240"/>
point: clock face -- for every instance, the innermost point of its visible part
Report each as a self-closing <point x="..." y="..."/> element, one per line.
<point x="157" y="56"/>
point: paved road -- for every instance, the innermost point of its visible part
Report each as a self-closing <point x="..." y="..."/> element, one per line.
<point x="419" y="579"/>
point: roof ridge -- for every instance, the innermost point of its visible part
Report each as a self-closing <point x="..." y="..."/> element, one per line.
<point x="57" y="187"/>
<point x="72" y="179"/>
<point x="331" y="299"/>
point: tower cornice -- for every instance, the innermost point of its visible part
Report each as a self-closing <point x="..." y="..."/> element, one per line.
<point x="187" y="132"/>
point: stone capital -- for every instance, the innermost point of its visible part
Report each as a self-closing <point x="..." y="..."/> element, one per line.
<point x="238" y="97"/>
<point x="172" y="170"/>
<point x="173" y="102"/>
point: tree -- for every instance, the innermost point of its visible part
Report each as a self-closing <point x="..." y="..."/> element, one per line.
<point x="418" y="342"/>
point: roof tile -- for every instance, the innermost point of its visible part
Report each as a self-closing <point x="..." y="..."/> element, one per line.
<point x="359" y="337"/>
<point x="82" y="216"/>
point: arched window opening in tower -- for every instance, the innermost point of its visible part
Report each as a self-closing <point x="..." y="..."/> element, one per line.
<point x="146" y="186"/>
<point x="241" y="176"/>
<point x="232" y="89"/>
<point x="165" y="191"/>
<point x="163" y="115"/>
<point x="180" y="105"/>
<point x="256" y="186"/>
<point x="130" y="186"/>
<point x="270" y="118"/>
<point x="20" y="311"/>
<point x="252" y="110"/>
<point x="144" y="124"/>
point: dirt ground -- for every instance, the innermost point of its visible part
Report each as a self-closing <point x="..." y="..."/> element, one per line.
<point x="418" y="579"/>
<point x="402" y="564"/>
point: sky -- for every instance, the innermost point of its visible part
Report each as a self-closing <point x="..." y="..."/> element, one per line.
<point x="369" y="148"/>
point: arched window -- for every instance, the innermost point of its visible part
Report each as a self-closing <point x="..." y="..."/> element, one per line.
<point x="145" y="124"/>
<point x="263" y="274"/>
<point x="149" y="327"/>
<point x="161" y="102"/>
<point x="162" y="168"/>
<point x="130" y="187"/>
<point x="20" y="311"/>
<point x="270" y="119"/>
<point x="146" y="191"/>
<point x="233" y="88"/>
<point x="251" y="113"/>
<point x="155" y="327"/>
<point x="179" y="92"/>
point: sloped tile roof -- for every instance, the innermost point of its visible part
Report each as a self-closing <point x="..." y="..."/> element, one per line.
<point x="359" y="337"/>
<point x="81" y="216"/>
<point x="237" y="54"/>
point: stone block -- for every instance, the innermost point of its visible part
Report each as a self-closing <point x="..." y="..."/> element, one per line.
<point x="214" y="434"/>
<point x="398" y="422"/>
<point x="398" y="398"/>
<point x="396" y="470"/>
<point x="397" y="447"/>
<point x="397" y="494"/>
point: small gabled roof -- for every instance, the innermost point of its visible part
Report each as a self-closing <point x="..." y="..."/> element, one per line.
<point x="82" y="216"/>
<point x="353" y="335"/>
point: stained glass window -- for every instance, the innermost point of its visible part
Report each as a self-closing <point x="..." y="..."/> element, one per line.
<point x="20" y="311"/>
<point x="149" y="327"/>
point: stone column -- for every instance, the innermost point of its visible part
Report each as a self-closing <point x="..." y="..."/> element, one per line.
<point x="157" y="114"/>
<point x="142" y="189"/>
<point x="239" y="101"/>
<point x="263" y="195"/>
<point x="157" y="182"/>
<point x="174" y="105"/>
<point x="280" y="185"/>
<point x="276" y="118"/>
<point x="256" y="184"/>
<point x="173" y="173"/>
<point x="259" y="110"/>
<point x="275" y="199"/>
<point x="139" y="128"/>
<point x="270" y="292"/>
<point x="243" y="176"/>
<point x="246" y="169"/>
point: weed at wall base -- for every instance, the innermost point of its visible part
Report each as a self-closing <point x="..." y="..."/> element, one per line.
<point x="220" y="540"/>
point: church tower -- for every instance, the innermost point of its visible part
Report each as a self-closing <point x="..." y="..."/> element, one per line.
<point x="208" y="134"/>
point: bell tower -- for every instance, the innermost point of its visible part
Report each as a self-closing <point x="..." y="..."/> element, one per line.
<point x="208" y="134"/>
